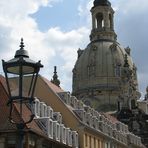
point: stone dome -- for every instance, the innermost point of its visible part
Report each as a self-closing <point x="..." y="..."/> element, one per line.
<point x="104" y="75"/>
<point x="99" y="66"/>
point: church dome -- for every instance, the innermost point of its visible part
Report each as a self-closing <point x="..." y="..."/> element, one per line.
<point x="104" y="75"/>
<point x="99" y="66"/>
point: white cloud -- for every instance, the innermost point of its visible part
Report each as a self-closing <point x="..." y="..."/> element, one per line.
<point x="84" y="11"/>
<point x="65" y="46"/>
<point x="49" y="47"/>
<point x="131" y="6"/>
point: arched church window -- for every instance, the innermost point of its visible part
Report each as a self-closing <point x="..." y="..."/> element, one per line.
<point x="99" y="21"/>
<point x="118" y="70"/>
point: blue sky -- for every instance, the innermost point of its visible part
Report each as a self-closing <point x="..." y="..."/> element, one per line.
<point x="53" y="31"/>
<point x="63" y="14"/>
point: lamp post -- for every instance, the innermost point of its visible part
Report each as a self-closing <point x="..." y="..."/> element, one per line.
<point x="19" y="71"/>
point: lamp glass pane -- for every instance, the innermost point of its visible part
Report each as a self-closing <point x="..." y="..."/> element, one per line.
<point x="26" y="69"/>
<point x="27" y="85"/>
<point x="13" y="81"/>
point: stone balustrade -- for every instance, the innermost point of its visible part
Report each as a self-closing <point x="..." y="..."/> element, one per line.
<point x="51" y="123"/>
<point x="95" y="120"/>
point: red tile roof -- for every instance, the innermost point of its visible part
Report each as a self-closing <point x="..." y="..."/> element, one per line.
<point x="5" y="124"/>
<point x="4" y="109"/>
<point x="4" y="112"/>
<point x="3" y="82"/>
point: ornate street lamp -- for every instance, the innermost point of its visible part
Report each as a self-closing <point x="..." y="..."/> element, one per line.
<point x="21" y="75"/>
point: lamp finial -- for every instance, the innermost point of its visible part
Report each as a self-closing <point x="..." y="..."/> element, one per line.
<point x="22" y="44"/>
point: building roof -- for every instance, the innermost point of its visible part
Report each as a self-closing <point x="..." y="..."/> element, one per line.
<point x="57" y="89"/>
<point x="4" y="112"/>
<point x="6" y="126"/>
<point x="3" y="82"/>
<point x="54" y="88"/>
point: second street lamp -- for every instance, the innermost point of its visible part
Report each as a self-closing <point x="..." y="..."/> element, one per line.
<point x="19" y="71"/>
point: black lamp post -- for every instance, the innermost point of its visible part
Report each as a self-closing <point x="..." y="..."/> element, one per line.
<point x="20" y="71"/>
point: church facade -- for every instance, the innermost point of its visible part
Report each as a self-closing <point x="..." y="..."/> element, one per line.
<point x="104" y="75"/>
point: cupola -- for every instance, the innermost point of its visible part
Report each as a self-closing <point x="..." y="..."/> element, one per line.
<point x="102" y="21"/>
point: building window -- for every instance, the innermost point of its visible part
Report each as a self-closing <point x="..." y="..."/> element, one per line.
<point x="98" y="144"/>
<point x="118" y="70"/>
<point x="90" y="141"/>
<point x="106" y="145"/>
<point x="102" y="144"/>
<point x="86" y="141"/>
<point x="31" y="141"/>
<point x="111" y="21"/>
<point x="99" y="21"/>
<point x="11" y="141"/>
<point x="94" y="142"/>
